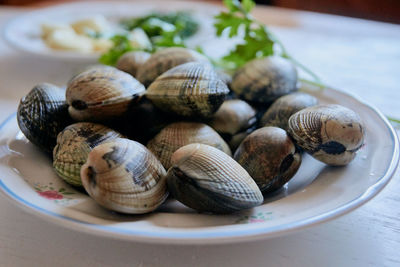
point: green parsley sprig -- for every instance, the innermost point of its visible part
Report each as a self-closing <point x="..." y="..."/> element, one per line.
<point x="257" y="42"/>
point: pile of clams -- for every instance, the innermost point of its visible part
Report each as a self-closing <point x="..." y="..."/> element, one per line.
<point x="170" y="124"/>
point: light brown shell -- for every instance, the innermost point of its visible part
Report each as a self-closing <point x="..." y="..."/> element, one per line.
<point x="179" y="134"/>
<point x="191" y="90"/>
<point x="208" y="180"/>
<point x="166" y="59"/>
<point x="330" y="133"/>
<point x="101" y="93"/>
<point x="122" y="175"/>
<point x="234" y="120"/>
<point x="270" y="157"/>
<point x="73" y="146"/>
<point x="131" y="62"/>
<point x="265" y="79"/>
<point x="279" y="112"/>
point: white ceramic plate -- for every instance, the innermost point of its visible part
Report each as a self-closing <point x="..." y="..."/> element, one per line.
<point x="316" y="194"/>
<point x="24" y="32"/>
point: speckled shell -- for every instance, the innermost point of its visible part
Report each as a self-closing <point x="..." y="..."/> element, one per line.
<point x="264" y="80"/>
<point x="280" y="111"/>
<point x="208" y="180"/>
<point x="179" y="134"/>
<point x="101" y="93"/>
<point x="166" y="59"/>
<point x="122" y="175"/>
<point x="131" y="62"/>
<point x="330" y="133"/>
<point x="73" y="146"/>
<point x="191" y="90"/>
<point x="269" y="156"/>
<point x="234" y="117"/>
<point x="42" y="114"/>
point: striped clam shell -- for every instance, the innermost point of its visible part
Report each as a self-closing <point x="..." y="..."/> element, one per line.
<point x="179" y="134"/>
<point x="265" y="79"/>
<point x="42" y="114"/>
<point x="131" y="62"/>
<point x="208" y="180"/>
<point x="190" y="90"/>
<point x="101" y="93"/>
<point x="234" y="120"/>
<point x="122" y="175"/>
<point x="270" y="157"/>
<point x="330" y="133"/>
<point x="166" y="59"/>
<point x="73" y="146"/>
<point x="279" y="112"/>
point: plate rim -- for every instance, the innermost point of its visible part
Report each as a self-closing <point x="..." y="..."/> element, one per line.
<point x="250" y="233"/>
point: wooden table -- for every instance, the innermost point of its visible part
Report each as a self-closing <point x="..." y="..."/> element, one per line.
<point x="362" y="57"/>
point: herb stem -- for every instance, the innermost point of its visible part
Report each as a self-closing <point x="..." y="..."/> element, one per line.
<point x="393" y="119"/>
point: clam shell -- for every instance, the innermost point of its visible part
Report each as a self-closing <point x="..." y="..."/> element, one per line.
<point x="233" y="120"/>
<point x="280" y="111"/>
<point x="122" y="175"/>
<point x="179" y="134"/>
<point x="270" y="157"/>
<point x="166" y="59"/>
<point x="101" y="93"/>
<point x="208" y="180"/>
<point x="330" y="133"/>
<point x="264" y="80"/>
<point x="142" y="121"/>
<point x="190" y="90"/>
<point x="131" y="62"/>
<point x="42" y="114"/>
<point x="73" y="146"/>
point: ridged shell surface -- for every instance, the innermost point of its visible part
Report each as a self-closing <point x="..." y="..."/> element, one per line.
<point x="42" y="114"/>
<point x="179" y="134"/>
<point x="122" y="175"/>
<point x="131" y="62"/>
<point x="73" y="146"/>
<point x="279" y="112"/>
<point x="264" y="80"/>
<point x="330" y="133"/>
<point x="270" y="157"/>
<point x="191" y="90"/>
<point x="233" y="121"/>
<point x="208" y="180"/>
<point x="101" y="93"/>
<point x="166" y="59"/>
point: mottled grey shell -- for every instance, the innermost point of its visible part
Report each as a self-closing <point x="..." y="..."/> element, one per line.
<point x="190" y="90"/>
<point x="131" y="62"/>
<point x="179" y="134"/>
<point x="264" y="80"/>
<point x="330" y="133"/>
<point x="279" y="112"/>
<point x="101" y="93"/>
<point x="42" y="114"/>
<point x="269" y="156"/>
<point x="73" y="146"/>
<point x="166" y="59"/>
<point x="208" y="180"/>
<point x="122" y="175"/>
<point x="233" y="121"/>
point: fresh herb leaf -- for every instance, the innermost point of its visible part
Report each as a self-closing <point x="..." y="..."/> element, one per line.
<point x="164" y="30"/>
<point x="121" y="46"/>
<point x="257" y="40"/>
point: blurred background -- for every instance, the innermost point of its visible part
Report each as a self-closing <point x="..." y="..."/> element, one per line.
<point x="382" y="10"/>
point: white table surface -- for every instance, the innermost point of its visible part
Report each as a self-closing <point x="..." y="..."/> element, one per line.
<point x="362" y="57"/>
